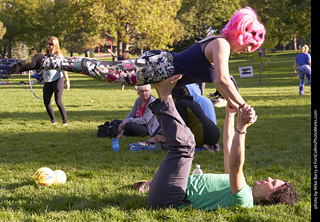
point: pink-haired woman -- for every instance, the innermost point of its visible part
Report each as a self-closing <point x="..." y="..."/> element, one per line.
<point x="205" y="61"/>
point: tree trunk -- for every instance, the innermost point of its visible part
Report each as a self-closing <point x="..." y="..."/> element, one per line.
<point x="115" y="51"/>
<point x="9" y="47"/>
<point x="295" y="41"/>
<point x="262" y="54"/>
<point x="119" y="42"/>
<point x="261" y="67"/>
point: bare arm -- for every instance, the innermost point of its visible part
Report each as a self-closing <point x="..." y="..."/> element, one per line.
<point x="228" y="134"/>
<point x="237" y="152"/>
<point x="294" y="68"/>
<point x="110" y="51"/>
<point x="218" y="52"/>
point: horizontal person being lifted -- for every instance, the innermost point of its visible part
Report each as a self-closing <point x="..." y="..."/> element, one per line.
<point x="205" y="61"/>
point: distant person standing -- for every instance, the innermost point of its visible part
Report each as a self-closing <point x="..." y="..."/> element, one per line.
<point x="303" y="60"/>
<point x="53" y="82"/>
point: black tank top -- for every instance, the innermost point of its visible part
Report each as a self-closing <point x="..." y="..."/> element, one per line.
<point x="193" y="63"/>
<point x="204" y="42"/>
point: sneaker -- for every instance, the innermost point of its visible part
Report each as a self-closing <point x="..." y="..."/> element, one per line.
<point x="136" y="185"/>
<point x="208" y="148"/>
<point x="211" y="148"/>
<point x="217" y="147"/>
<point x="65" y="124"/>
<point x="142" y="186"/>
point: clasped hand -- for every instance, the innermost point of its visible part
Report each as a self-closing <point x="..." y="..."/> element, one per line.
<point x="247" y="115"/>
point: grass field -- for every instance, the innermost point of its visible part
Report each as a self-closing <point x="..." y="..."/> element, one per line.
<point x="100" y="187"/>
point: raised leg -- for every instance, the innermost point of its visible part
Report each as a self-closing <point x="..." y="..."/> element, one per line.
<point x="152" y="66"/>
<point x="169" y="184"/>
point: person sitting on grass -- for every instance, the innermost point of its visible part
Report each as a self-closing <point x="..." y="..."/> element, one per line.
<point x="172" y="186"/>
<point x="205" y="131"/>
<point x="140" y="121"/>
<point x="204" y="102"/>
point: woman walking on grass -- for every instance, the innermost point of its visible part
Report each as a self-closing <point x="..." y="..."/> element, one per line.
<point x="53" y="83"/>
<point x="303" y="60"/>
<point x="206" y="60"/>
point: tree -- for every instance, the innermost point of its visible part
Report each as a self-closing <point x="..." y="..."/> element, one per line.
<point x="2" y="30"/>
<point x="3" y="43"/>
<point x="298" y="19"/>
<point x="80" y="41"/>
<point x="153" y="20"/>
<point x="31" y="22"/>
<point x="12" y="15"/>
<point x="282" y="23"/>
<point x="44" y="23"/>
<point x="157" y="22"/>
<point x="284" y="20"/>
<point x="85" y="21"/>
<point x="199" y="17"/>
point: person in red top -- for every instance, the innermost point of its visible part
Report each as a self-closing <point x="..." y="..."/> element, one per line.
<point x="140" y="121"/>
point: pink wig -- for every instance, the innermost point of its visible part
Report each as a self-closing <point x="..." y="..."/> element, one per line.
<point x="244" y="28"/>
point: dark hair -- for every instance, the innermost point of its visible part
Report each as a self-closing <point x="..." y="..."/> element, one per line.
<point x="178" y="92"/>
<point x="285" y="195"/>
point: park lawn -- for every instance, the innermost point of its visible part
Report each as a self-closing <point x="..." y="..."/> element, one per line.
<point x="100" y="186"/>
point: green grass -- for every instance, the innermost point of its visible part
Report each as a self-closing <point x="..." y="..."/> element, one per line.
<point x="100" y="187"/>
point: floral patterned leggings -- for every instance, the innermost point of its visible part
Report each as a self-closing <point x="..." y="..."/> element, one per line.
<point x="152" y="66"/>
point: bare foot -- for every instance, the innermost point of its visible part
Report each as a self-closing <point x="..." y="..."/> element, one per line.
<point x="164" y="88"/>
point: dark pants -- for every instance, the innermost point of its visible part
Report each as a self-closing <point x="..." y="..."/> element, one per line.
<point x="55" y="87"/>
<point x="169" y="184"/>
<point x="133" y="129"/>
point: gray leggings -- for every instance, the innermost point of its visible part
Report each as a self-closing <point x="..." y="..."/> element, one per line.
<point x="169" y="184"/>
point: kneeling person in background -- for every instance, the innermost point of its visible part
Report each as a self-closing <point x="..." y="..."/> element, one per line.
<point x="140" y="121"/>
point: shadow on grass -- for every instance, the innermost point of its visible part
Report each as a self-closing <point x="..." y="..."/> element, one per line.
<point x="45" y="202"/>
<point x="83" y="115"/>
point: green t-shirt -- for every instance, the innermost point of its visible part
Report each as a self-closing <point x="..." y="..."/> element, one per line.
<point x="209" y="191"/>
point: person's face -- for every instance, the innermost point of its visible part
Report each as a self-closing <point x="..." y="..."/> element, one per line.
<point x="264" y="188"/>
<point x="237" y="48"/>
<point x="144" y="93"/>
<point x="50" y="45"/>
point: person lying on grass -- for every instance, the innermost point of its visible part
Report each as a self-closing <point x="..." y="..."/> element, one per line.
<point x="172" y="186"/>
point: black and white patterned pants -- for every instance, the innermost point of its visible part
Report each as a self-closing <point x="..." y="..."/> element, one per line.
<point x="152" y="66"/>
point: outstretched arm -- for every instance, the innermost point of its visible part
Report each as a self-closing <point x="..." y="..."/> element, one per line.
<point x="237" y="153"/>
<point x="228" y="134"/>
<point x="218" y="53"/>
